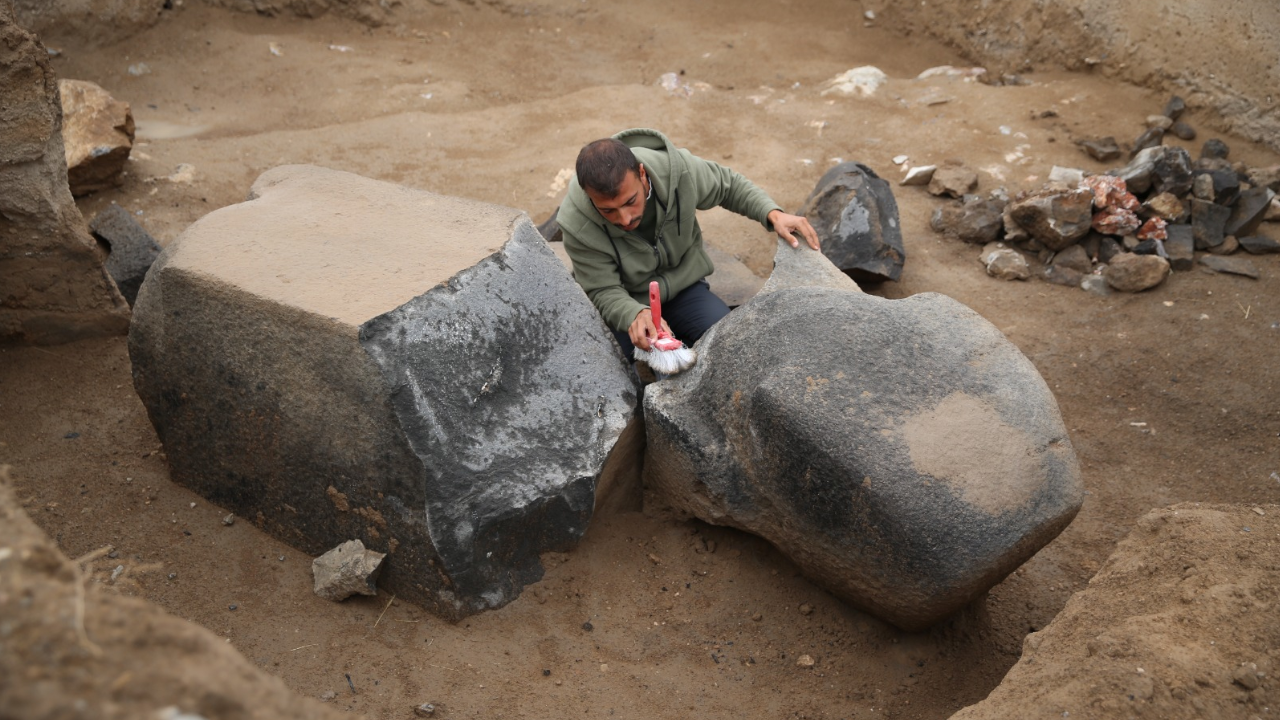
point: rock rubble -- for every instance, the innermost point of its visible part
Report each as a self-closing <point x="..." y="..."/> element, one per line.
<point x="1130" y="225"/>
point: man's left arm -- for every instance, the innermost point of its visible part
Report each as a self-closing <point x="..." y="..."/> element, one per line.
<point x="719" y="186"/>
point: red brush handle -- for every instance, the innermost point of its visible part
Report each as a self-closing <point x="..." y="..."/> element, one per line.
<point x="655" y="304"/>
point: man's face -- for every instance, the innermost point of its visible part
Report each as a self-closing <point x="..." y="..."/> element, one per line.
<point x="625" y="209"/>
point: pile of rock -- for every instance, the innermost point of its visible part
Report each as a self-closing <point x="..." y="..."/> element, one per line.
<point x="1125" y="229"/>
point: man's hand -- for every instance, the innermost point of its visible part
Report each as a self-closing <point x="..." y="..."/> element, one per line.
<point x="642" y="328"/>
<point x="785" y="225"/>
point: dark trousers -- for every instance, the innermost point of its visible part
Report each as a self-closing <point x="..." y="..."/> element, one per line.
<point x="690" y="314"/>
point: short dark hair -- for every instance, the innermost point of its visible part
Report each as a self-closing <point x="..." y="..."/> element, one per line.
<point x="602" y="165"/>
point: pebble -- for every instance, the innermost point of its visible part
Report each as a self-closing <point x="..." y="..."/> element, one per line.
<point x="1215" y="148"/>
<point x="232" y="607"/>
<point x="1246" y="676"/>
<point x="806" y="609"/>
<point x="588" y="626"/>
<point x="805" y="661"/>
<point x="229" y="520"/>
<point x="425" y="710"/>
<point x="328" y="696"/>
<point x="1095" y="284"/>
<point x="1183" y="131"/>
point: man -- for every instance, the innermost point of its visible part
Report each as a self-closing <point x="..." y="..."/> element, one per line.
<point x="631" y="218"/>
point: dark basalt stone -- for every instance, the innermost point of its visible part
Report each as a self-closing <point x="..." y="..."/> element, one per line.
<point x="856" y="218"/>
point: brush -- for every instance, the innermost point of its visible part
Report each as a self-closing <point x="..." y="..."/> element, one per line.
<point x="667" y="355"/>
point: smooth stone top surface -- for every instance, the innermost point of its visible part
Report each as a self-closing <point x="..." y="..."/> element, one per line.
<point x="302" y="218"/>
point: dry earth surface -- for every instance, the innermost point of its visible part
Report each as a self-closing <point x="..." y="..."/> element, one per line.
<point x="1170" y="395"/>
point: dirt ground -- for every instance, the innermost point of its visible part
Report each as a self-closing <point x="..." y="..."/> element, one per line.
<point x="1169" y="395"/>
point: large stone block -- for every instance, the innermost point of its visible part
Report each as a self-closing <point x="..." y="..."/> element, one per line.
<point x="341" y="358"/>
<point x="902" y="452"/>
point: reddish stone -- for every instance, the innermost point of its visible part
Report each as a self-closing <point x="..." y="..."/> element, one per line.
<point x="1154" y="229"/>
<point x="1110" y="192"/>
<point x="1116" y="221"/>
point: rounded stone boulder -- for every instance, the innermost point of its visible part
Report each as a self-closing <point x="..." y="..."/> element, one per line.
<point x="902" y="452"/>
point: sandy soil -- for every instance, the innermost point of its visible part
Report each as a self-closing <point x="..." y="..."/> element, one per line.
<point x="1169" y="395"/>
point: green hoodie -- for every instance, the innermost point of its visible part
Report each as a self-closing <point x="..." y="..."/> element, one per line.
<point x="614" y="266"/>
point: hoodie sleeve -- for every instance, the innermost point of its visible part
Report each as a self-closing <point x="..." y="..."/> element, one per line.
<point x="719" y="186"/>
<point x="597" y="274"/>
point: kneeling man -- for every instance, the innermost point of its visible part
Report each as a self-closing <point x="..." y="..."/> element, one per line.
<point x="631" y="218"/>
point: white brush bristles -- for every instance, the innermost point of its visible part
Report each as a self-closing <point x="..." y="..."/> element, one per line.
<point x="668" y="362"/>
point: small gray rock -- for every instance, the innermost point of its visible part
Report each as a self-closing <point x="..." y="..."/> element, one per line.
<point x="1065" y="175"/>
<point x="133" y="250"/>
<point x="1159" y="121"/>
<point x="1230" y="265"/>
<point x="1062" y="275"/>
<point x="1259" y="245"/>
<point x="1246" y="676"/>
<point x="1171" y="170"/>
<point x="1101" y="149"/>
<point x="1183" y="131"/>
<point x="1208" y="223"/>
<point x="425" y="710"/>
<point x="1075" y="258"/>
<point x="1215" y="148"/>
<point x="1213" y="164"/>
<point x="349" y="569"/>
<point x="1249" y="211"/>
<point x="1149" y="139"/>
<point x="1225" y="188"/>
<point x="1108" y="248"/>
<point x="1180" y="245"/>
<point x="1096" y="285"/>
<point x="1005" y="263"/>
<point x="977" y="220"/>
<point x="1174" y="108"/>
<point x="1135" y="273"/>
<point x="1202" y="187"/>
